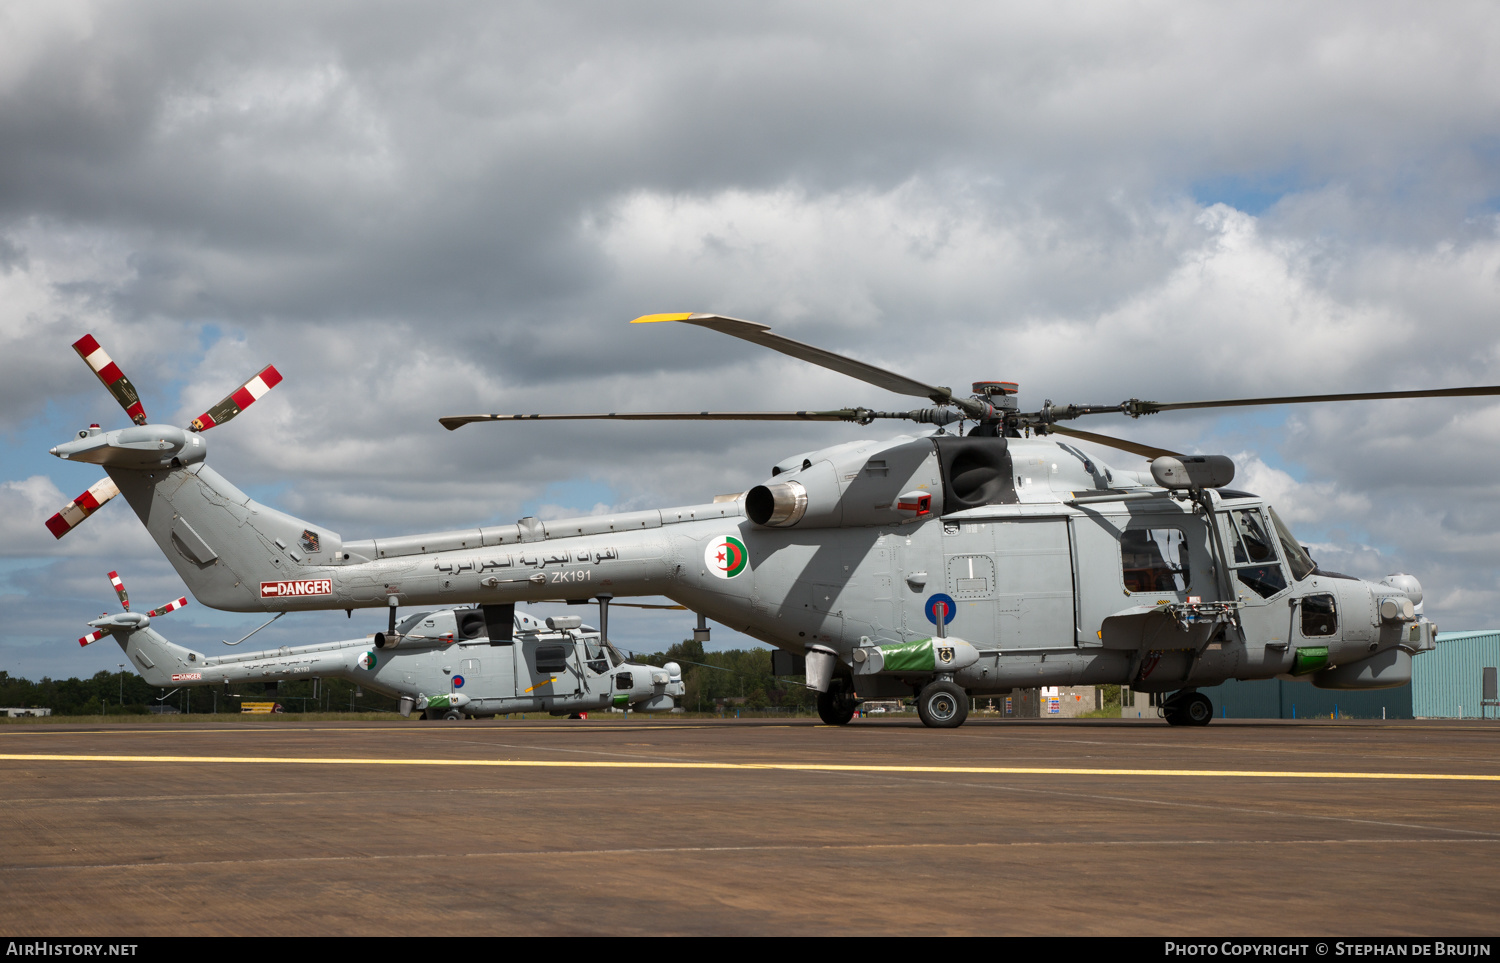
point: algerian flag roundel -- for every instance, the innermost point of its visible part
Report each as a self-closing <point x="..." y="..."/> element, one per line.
<point x="726" y="556"/>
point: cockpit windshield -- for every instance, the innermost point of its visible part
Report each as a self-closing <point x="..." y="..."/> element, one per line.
<point x="1301" y="563"/>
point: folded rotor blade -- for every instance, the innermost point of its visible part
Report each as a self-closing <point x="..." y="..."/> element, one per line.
<point x="612" y="604"/>
<point x="1151" y="407"/>
<point x="114" y="579"/>
<point x="169" y="607"/>
<point x="1145" y="451"/>
<point x="239" y="399"/>
<point x="82" y="507"/>
<point x="452" y="422"/>
<point x="111" y="376"/>
<point x="760" y="334"/>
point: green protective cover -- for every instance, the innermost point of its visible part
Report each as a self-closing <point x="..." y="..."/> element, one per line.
<point x="1310" y="659"/>
<point x="439" y="702"/>
<point x="909" y="656"/>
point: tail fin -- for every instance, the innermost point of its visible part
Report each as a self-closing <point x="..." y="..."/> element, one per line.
<point x="222" y="543"/>
<point x="160" y="663"/>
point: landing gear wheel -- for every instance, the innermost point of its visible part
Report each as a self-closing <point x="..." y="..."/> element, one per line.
<point x="1189" y="709"/>
<point x="453" y="715"/>
<point x="1196" y="710"/>
<point x="942" y="705"/>
<point x="836" y="706"/>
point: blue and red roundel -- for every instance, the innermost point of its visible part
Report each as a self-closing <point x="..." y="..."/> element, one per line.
<point x="941" y="601"/>
<point x="458" y="682"/>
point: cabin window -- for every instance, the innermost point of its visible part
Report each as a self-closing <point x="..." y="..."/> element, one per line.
<point x="1319" y="617"/>
<point x="624" y="680"/>
<point x="1154" y="560"/>
<point x="551" y="658"/>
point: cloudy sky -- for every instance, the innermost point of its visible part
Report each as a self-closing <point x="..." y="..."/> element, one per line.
<point x="417" y="210"/>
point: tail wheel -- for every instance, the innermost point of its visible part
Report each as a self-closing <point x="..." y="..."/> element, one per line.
<point x="942" y="705"/>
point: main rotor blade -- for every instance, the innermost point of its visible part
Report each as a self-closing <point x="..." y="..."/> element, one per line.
<point x="452" y="422"/>
<point x="239" y="399"/>
<point x="1135" y="448"/>
<point x="1151" y="407"/>
<point x="111" y="376"/>
<point x="760" y="334"/>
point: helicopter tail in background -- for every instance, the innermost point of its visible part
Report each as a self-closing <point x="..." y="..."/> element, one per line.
<point x="160" y="662"/>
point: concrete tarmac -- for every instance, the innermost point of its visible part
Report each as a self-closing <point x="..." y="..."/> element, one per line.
<point x="615" y="828"/>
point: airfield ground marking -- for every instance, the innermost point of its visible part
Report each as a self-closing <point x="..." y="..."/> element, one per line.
<point x="1105" y="798"/>
<point x="532" y="854"/>
<point x="748" y="767"/>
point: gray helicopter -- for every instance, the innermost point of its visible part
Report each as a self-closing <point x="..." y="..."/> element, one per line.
<point x="944" y="566"/>
<point x="447" y="664"/>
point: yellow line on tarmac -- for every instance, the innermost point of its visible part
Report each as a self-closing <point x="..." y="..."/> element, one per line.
<point x="749" y="766"/>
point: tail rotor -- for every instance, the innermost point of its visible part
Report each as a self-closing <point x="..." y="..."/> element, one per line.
<point x="125" y="393"/>
<point x="126" y="620"/>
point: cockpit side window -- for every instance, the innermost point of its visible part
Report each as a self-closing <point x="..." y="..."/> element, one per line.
<point x="1319" y="615"/>
<point x="597" y="655"/>
<point x="1254" y="544"/>
<point x="1255" y="561"/>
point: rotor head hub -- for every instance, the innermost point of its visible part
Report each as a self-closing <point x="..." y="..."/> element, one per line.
<point x="1001" y="395"/>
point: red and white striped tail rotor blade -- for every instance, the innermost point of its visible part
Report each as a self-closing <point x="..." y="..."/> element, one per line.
<point x="169" y="607"/>
<point x="92" y="637"/>
<point x="113" y="378"/>
<point x="239" y="399"/>
<point x="119" y="586"/>
<point x="82" y="507"/>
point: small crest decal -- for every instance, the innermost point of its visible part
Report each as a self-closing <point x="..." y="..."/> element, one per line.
<point x="945" y="653"/>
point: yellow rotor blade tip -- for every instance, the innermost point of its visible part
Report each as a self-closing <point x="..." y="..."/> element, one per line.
<point x="648" y="318"/>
